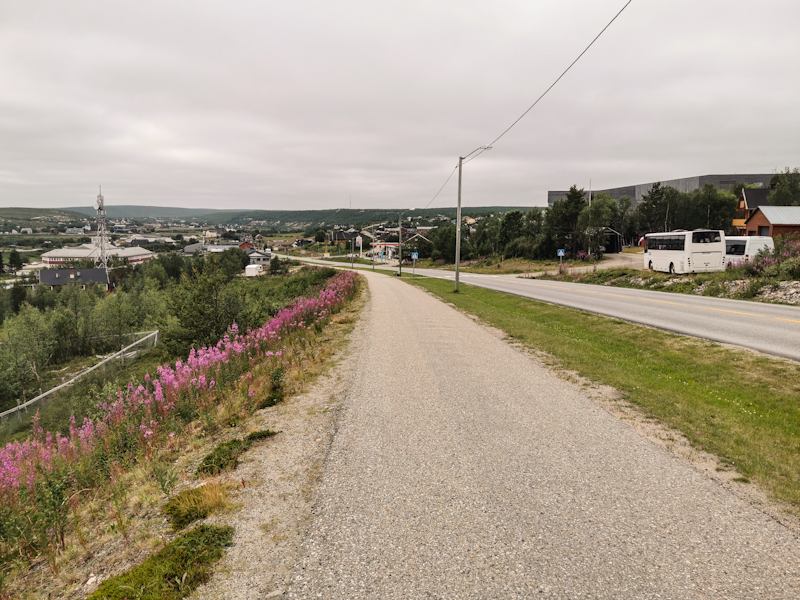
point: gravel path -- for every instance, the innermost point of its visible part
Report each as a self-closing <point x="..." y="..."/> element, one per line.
<point x="463" y="469"/>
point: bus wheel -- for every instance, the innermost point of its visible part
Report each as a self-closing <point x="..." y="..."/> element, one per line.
<point x="671" y="269"/>
<point x="650" y="265"/>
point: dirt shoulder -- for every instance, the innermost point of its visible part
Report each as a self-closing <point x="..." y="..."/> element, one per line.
<point x="274" y="483"/>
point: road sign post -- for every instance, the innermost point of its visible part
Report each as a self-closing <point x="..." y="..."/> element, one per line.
<point x="414" y="257"/>
<point x="560" y="259"/>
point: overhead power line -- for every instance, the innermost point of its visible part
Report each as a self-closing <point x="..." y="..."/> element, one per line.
<point x="478" y="151"/>
<point x="552" y="85"/>
<point x="441" y="188"/>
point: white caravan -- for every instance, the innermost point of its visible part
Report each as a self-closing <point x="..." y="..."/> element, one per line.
<point x="743" y="248"/>
<point x="698" y="251"/>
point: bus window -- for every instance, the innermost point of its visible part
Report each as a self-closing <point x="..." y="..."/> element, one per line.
<point x="705" y="237"/>
<point x="735" y="248"/>
<point x="676" y="242"/>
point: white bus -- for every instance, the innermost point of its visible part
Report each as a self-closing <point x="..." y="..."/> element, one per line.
<point x="743" y="248"/>
<point x="695" y="251"/>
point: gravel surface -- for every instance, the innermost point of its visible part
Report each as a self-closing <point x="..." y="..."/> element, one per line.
<point x="274" y="483"/>
<point x="463" y="469"/>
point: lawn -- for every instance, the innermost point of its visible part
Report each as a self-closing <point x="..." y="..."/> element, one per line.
<point x="735" y="404"/>
<point x="509" y="266"/>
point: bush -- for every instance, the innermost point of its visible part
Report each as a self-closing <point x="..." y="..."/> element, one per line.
<point x="790" y="269"/>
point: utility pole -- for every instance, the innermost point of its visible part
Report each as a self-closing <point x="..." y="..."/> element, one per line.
<point x="400" y="242"/>
<point x="458" y="210"/>
<point x="458" y="222"/>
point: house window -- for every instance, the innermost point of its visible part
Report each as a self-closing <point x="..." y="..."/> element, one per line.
<point x="763" y="230"/>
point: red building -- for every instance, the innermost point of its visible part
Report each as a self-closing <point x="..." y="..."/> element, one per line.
<point x="774" y="220"/>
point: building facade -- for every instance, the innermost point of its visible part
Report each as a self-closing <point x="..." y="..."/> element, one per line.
<point x="774" y="220"/>
<point x="685" y="184"/>
<point x="60" y="256"/>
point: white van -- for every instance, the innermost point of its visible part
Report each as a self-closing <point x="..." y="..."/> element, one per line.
<point x="743" y="248"/>
<point x="683" y="251"/>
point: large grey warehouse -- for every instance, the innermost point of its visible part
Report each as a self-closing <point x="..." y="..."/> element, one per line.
<point x="686" y="184"/>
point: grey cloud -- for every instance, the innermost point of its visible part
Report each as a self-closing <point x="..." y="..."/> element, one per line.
<point x="274" y="105"/>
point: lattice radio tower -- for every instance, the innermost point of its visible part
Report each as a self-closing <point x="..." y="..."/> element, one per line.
<point x="101" y="241"/>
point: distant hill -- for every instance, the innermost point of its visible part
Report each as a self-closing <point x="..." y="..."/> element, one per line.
<point x="290" y="219"/>
<point x="26" y="217"/>
<point x="343" y="216"/>
<point x="132" y="211"/>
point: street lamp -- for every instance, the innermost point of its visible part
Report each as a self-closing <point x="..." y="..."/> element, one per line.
<point x="458" y="210"/>
<point x="400" y="239"/>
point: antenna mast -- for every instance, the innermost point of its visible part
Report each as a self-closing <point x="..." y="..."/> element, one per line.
<point x="102" y="242"/>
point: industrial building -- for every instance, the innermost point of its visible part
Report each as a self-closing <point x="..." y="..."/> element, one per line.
<point x="686" y="184"/>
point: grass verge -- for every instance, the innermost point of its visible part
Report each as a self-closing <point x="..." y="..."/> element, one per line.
<point x="498" y="266"/>
<point x="735" y="404"/>
<point x="174" y="571"/>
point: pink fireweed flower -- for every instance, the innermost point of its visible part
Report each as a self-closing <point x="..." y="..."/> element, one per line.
<point x="153" y="404"/>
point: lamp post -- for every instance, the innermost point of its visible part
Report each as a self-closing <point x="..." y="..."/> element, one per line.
<point x="458" y="223"/>
<point x="458" y="211"/>
<point x="400" y="240"/>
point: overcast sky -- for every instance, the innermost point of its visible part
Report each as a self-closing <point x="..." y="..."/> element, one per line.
<point x="305" y="104"/>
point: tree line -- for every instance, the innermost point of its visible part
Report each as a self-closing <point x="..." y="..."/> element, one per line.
<point x="191" y="300"/>
<point x="580" y="228"/>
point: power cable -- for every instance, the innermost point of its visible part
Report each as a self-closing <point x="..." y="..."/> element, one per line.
<point x="490" y="144"/>
<point x="441" y="188"/>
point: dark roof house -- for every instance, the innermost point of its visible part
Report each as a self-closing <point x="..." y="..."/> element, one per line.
<point x="83" y="277"/>
<point x="749" y="201"/>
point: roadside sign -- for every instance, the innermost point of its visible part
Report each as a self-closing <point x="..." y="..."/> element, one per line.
<point x="359" y="239"/>
<point x="414" y="256"/>
<point x="561" y="252"/>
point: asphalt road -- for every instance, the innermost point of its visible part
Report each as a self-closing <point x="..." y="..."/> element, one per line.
<point x="770" y="328"/>
<point x="461" y="469"/>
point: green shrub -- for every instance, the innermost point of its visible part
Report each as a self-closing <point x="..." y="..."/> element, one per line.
<point x="173" y="572"/>
<point x="790" y="269"/>
<point x="225" y="457"/>
<point x="257" y="436"/>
